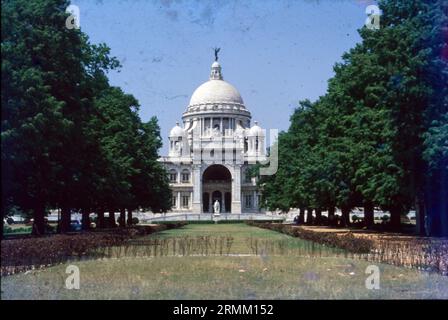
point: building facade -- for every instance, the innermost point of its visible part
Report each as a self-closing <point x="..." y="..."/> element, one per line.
<point x="211" y="153"/>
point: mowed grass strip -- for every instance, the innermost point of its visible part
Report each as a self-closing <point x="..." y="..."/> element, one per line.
<point x="222" y="277"/>
<point x="241" y="233"/>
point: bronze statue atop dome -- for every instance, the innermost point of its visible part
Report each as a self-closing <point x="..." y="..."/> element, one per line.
<point x="216" y="53"/>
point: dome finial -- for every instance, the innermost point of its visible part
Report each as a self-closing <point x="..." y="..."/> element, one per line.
<point x="216" y="52"/>
<point x="215" y="73"/>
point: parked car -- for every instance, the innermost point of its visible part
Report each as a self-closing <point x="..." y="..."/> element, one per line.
<point x="9" y="220"/>
<point x="14" y="219"/>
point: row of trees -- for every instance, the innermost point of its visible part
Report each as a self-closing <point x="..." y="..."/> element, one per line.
<point x="69" y="139"/>
<point x="379" y="136"/>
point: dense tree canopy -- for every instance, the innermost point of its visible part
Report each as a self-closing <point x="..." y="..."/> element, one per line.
<point x="379" y="136"/>
<point x="69" y="139"/>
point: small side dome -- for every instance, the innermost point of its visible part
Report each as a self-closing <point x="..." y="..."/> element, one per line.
<point x="177" y="131"/>
<point x="256" y="131"/>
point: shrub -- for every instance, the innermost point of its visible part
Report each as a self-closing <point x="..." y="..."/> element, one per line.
<point x="7" y="229"/>
<point x="347" y="242"/>
<point x="19" y="255"/>
<point x="426" y="254"/>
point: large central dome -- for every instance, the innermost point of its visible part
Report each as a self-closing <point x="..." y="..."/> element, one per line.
<point x="216" y="96"/>
<point x="215" y="92"/>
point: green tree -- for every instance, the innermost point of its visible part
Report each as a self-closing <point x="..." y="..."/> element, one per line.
<point x="379" y="135"/>
<point x="69" y="140"/>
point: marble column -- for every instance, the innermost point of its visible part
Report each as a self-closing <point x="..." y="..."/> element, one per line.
<point x="255" y="200"/>
<point x="236" y="189"/>
<point x="197" y="189"/>
<point x="223" y="204"/>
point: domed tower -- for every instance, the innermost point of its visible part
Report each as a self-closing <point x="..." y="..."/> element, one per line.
<point x="178" y="143"/>
<point x="217" y="145"/>
<point x="255" y="138"/>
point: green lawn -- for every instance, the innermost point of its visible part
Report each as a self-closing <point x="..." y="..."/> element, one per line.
<point x="279" y="276"/>
<point x="243" y="235"/>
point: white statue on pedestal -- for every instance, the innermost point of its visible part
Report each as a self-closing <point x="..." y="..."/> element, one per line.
<point x="217" y="207"/>
<point x="216" y="132"/>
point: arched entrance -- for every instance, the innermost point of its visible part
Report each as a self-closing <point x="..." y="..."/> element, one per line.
<point x="216" y="185"/>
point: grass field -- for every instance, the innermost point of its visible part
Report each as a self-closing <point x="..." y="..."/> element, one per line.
<point x="242" y="275"/>
<point x="242" y="234"/>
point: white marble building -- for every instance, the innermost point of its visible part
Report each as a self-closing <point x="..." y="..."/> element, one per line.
<point x="209" y="155"/>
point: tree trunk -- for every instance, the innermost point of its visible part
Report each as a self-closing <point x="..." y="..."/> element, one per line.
<point x="85" y="222"/>
<point x="1" y="234"/>
<point x="122" y="219"/>
<point x="436" y="202"/>
<point x="39" y="220"/>
<point x="318" y="216"/>
<point x="3" y="213"/>
<point x="331" y="217"/>
<point x="100" y="220"/>
<point x="129" y="217"/>
<point x="369" y="211"/>
<point x="309" y="216"/>
<point x="301" y="216"/>
<point x="345" y="218"/>
<point x="112" y="223"/>
<point x="64" y="224"/>
<point x="420" y="213"/>
<point x="395" y="218"/>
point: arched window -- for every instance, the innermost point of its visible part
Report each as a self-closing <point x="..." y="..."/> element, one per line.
<point x="248" y="201"/>
<point x="173" y="176"/>
<point x="185" y="176"/>
<point x="185" y="200"/>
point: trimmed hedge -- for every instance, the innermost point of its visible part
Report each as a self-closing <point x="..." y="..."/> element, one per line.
<point x="19" y="255"/>
<point x="347" y="241"/>
<point x="8" y="230"/>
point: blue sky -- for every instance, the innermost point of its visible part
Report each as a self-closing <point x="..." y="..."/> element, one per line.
<point x="275" y="53"/>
